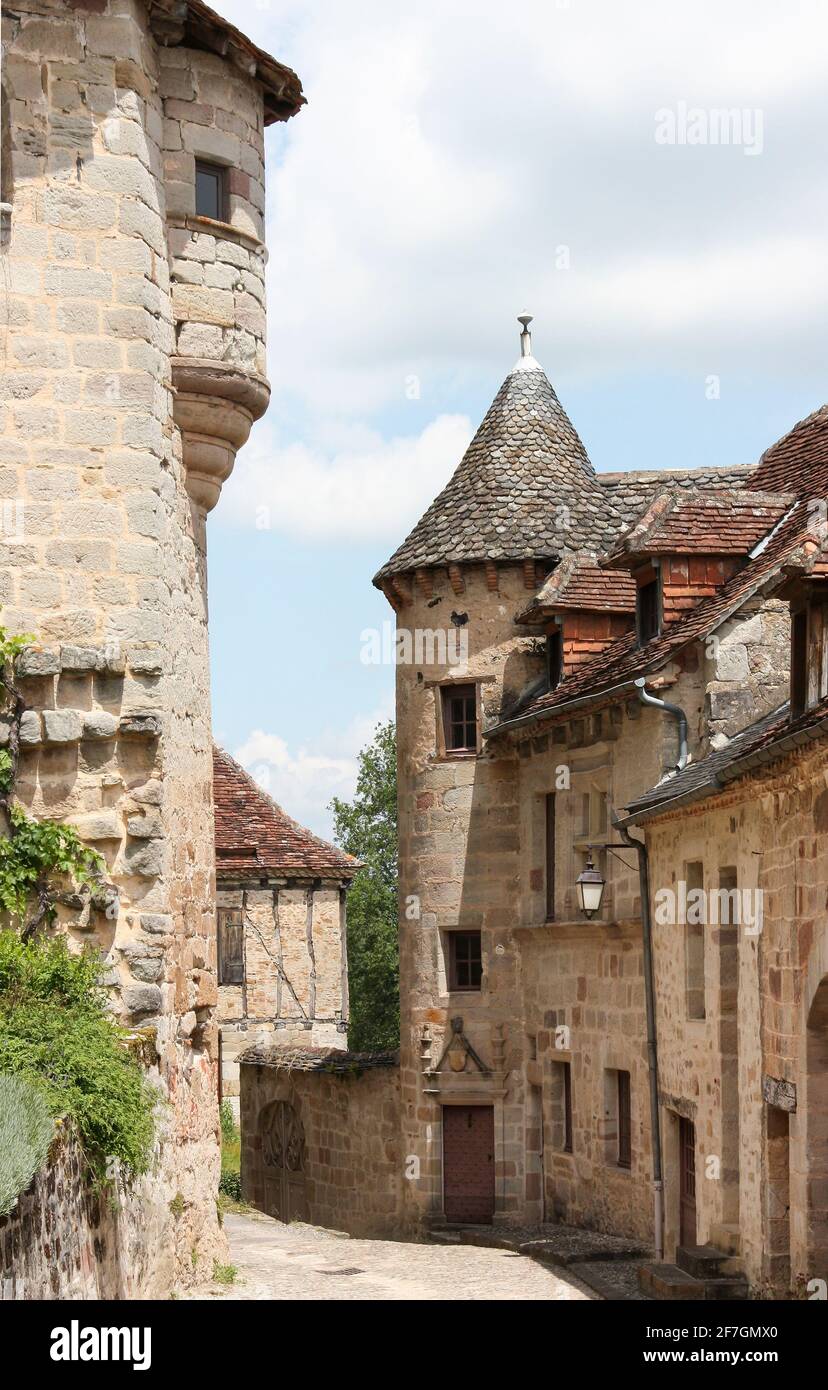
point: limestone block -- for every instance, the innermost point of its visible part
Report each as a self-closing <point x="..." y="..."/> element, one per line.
<point x="30" y="730"/>
<point x="98" y="825"/>
<point x="146" y="827"/>
<point x="146" y="859"/>
<point x="142" y="999"/>
<point x="149" y="661"/>
<point x="140" y="726"/>
<point x="82" y="659"/>
<point x="38" y="661"/>
<point x="98" y="724"/>
<point x="157" y="923"/>
<point x="62" y="725"/>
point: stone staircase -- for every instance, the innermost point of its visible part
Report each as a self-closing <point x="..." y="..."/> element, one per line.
<point x="700" y="1273"/>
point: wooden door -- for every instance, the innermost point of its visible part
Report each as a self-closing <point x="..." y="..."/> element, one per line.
<point x="468" y="1163"/>
<point x="687" y="1182"/>
<point x="283" y="1150"/>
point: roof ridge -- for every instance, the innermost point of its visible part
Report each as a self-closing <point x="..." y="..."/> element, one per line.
<point x="302" y="831"/>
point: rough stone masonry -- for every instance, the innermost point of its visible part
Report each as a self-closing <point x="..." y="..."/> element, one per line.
<point x="133" y="332"/>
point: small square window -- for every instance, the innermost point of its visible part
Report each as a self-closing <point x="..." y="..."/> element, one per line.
<point x="465" y="960"/>
<point x="460" y="718"/>
<point x="211" y="191"/>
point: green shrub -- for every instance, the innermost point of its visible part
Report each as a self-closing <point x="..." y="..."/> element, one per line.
<point x="26" y="1130"/>
<point x="57" y="1033"/>
<point x="230" y="1184"/>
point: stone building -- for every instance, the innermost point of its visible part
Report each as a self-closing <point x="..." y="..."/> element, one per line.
<point x="282" y="927"/>
<point x="133" y="341"/>
<point x="624" y="630"/>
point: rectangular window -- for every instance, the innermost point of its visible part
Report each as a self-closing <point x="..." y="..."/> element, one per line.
<point x="624" y="1120"/>
<point x="567" y="1098"/>
<point x="554" y="659"/>
<point x="230" y="946"/>
<point x="211" y="191"/>
<point x="646" y="605"/>
<point x="694" y="941"/>
<point x="465" y="960"/>
<point x="460" y="718"/>
<point x="799" y="662"/>
<point x="550" y="857"/>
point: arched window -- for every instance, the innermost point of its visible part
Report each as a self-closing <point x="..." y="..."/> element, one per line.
<point x="6" y="170"/>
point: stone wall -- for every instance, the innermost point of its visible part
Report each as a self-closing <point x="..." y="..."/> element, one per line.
<point x="753" y="1073"/>
<point x="347" y="1170"/>
<point x="99" y="467"/>
<point x="295" y="988"/>
<point x="65" y="1239"/>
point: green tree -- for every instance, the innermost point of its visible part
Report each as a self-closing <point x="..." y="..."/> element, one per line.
<point x="367" y="828"/>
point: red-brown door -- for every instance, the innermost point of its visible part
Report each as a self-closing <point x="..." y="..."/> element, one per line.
<point x="468" y="1163"/>
<point x="687" y="1182"/>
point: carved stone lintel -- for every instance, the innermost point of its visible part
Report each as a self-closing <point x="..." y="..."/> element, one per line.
<point x="215" y="406"/>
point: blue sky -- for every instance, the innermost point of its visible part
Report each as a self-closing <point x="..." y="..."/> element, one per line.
<point x="455" y="165"/>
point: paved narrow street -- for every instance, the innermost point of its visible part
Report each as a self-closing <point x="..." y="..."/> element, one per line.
<point x="275" y="1261"/>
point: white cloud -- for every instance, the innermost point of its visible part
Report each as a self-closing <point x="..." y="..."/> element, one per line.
<point x="370" y="488"/>
<point x="304" y="780"/>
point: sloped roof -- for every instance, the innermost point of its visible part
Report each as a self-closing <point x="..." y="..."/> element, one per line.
<point x="580" y="583"/>
<point x="798" y="462"/>
<point x="255" y="837"/>
<point x="759" y="745"/>
<point x="624" y="660"/>
<point x="631" y="492"/>
<point x="724" y="522"/>
<point x="524" y="488"/>
<point x="699" y="779"/>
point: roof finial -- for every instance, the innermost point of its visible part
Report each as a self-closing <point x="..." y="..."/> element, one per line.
<point x="525" y="336"/>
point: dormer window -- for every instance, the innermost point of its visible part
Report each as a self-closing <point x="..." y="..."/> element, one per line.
<point x="647" y="614"/>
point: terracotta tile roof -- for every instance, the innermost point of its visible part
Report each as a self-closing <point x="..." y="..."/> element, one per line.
<point x="580" y="583"/>
<point x="524" y="488"/>
<point x="725" y="522"/>
<point x="632" y="492"/>
<point x="624" y="661"/>
<point x="255" y="837"/>
<point x="798" y="462"/>
<point x="759" y="745"/>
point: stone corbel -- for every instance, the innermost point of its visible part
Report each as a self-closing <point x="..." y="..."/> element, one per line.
<point x="215" y="406"/>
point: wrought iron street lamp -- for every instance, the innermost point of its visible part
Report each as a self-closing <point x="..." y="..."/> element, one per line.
<point x="590" y="884"/>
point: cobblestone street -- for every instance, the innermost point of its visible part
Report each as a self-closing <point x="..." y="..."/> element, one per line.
<point x="299" y="1262"/>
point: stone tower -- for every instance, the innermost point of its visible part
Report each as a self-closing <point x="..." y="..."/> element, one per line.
<point x="524" y="496"/>
<point x="134" y="359"/>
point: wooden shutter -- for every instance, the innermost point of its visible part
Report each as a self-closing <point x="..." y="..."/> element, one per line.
<point x="230" y="946"/>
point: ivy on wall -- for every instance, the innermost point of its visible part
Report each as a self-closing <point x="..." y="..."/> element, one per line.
<point x="57" y="1033"/>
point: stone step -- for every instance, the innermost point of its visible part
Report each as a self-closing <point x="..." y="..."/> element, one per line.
<point x="708" y="1262"/>
<point x="669" y="1282"/>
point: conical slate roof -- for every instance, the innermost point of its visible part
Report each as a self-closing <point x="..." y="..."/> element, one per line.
<point x="524" y="488"/>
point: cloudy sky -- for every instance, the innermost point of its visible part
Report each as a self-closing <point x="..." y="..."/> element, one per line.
<point x="460" y="161"/>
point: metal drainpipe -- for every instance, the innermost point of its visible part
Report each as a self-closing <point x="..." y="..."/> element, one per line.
<point x="678" y="713"/>
<point x="652" y="1035"/>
